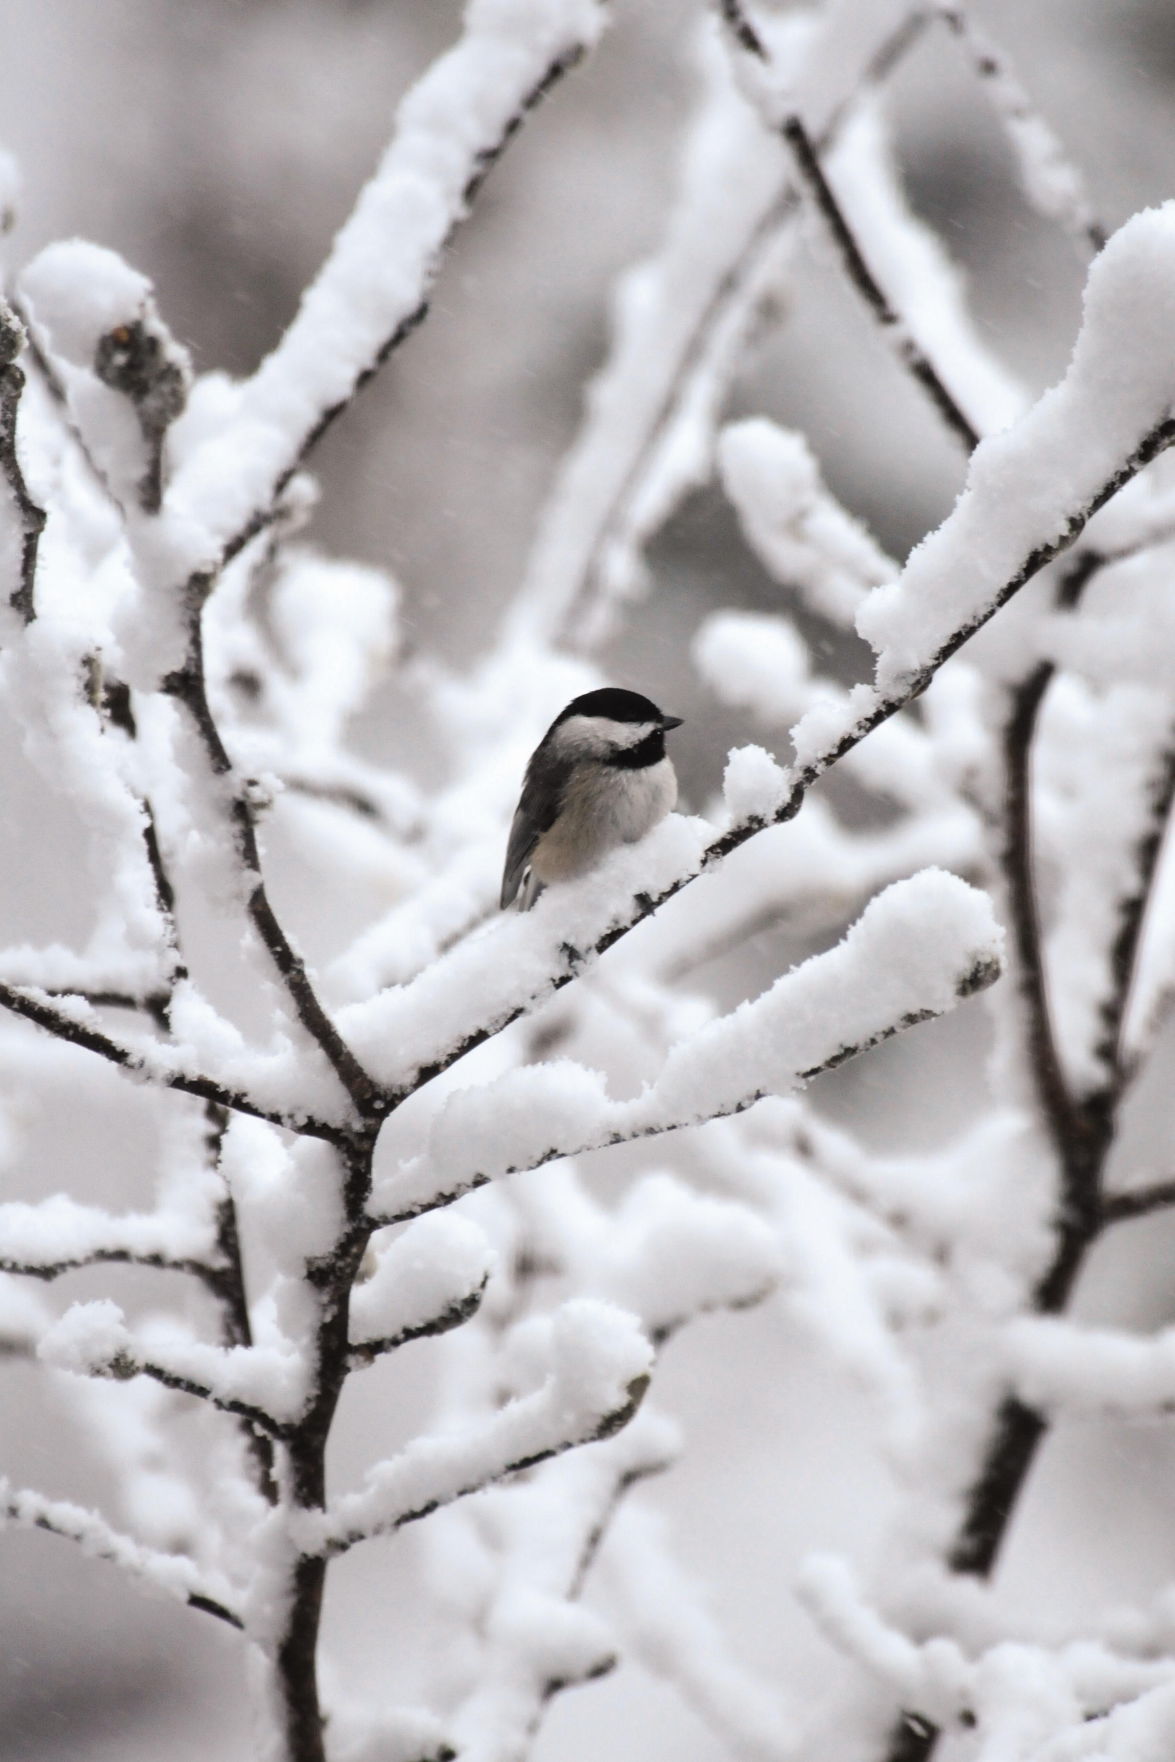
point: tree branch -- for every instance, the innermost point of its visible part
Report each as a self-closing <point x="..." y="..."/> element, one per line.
<point x="1132" y="910"/>
<point x="136" y="1064"/>
<point x="337" y="1540"/>
<point x="1118" y="1208"/>
<point x="893" y="327"/>
<point x="124" y="1365"/>
<point x="173" y="1573"/>
<point x="365" y="1352"/>
<point x="187" y="686"/>
<point x="53" y="1269"/>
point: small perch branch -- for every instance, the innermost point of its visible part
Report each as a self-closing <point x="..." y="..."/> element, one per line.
<point x="124" y="1365"/>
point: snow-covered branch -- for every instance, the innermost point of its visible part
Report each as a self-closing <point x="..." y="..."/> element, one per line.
<point x="149" y="1061"/>
<point x="175" y="1576"/>
<point x="920" y="947"/>
<point x="596" y="1365"/>
<point x="264" y="1386"/>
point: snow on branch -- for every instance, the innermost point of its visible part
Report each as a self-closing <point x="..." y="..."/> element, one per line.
<point x="594" y="1363"/>
<point x="124" y="378"/>
<point x="173" y="1574"/>
<point x="918" y="948"/>
<point x="1032" y="489"/>
<point x="893" y="327"/>
<point x="797" y="529"/>
<point x="431" y="1278"/>
<point x="265" y="1385"/>
<point x="59" y="1234"/>
<point x="373" y="289"/>
<point x="74" y="1020"/>
<point x="1058" y="1364"/>
<point x="1052" y="180"/>
<point x="663" y="1616"/>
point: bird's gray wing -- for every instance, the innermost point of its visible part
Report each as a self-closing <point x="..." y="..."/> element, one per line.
<point x="537" y="811"/>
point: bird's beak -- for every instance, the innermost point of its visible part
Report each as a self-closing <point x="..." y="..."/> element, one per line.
<point x="668" y="722"/>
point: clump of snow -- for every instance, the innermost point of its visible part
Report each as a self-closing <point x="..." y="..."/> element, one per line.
<point x="755" y="661"/>
<point x="754" y="787"/>
<point x="88" y="1339"/>
<point x="934" y="1679"/>
<point x="1057" y="1363"/>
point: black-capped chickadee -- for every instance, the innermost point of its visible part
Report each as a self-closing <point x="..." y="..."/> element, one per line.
<point x="598" y="778"/>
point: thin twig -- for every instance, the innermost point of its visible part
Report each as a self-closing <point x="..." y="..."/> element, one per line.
<point x="909" y="352"/>
<point x="1118" y="1208"/>
<point x="1132" y="912"/>
<point x="338" y="1542"/>
<point x="48" y="1270"/>
<point x="365" y="1352"/>
<point x="125" y="1365"/>
<point x="1026" y="128"/>
<point x="29" y="1510"/>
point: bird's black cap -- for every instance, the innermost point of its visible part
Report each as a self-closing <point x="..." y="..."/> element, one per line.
<point x="618" y="705"/>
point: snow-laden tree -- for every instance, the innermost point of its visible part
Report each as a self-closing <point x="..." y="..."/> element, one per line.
<point x="374" y="1150"/>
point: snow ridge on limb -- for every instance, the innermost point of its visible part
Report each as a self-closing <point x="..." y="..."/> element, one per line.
<point x="173" y="1574"/>
<point x="918" y="948"/>
<point x="594" y="1363"/>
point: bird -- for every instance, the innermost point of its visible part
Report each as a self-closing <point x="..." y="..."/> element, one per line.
<point x="599" y="778"/>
